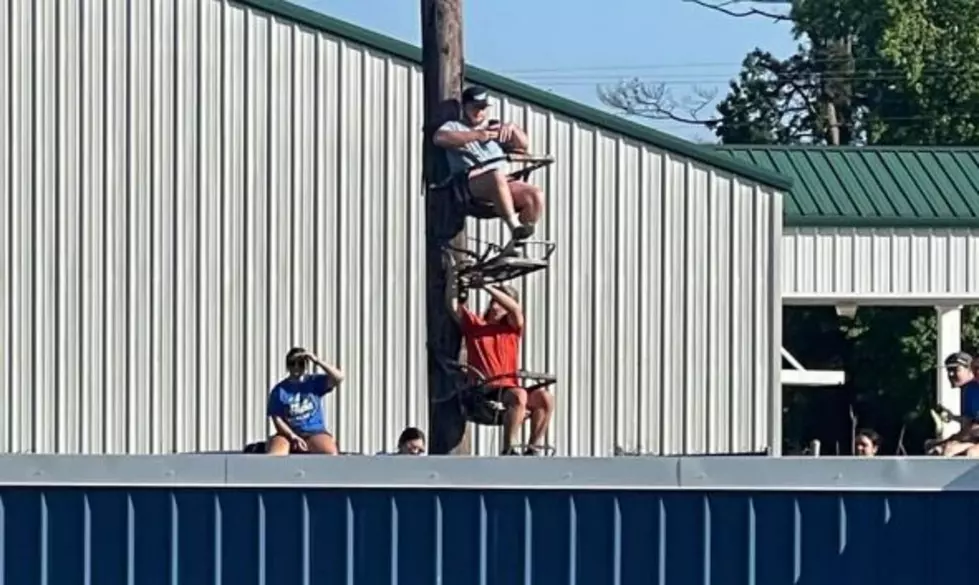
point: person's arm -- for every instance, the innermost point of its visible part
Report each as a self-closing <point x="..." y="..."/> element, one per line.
<point x="456" y="135"/>
<point x="515" y="312"/>
<point x="283" y="428"/>
<point x="274" y="411"/>
<point x="515" y="139"/>
<point x="334" y="374"/>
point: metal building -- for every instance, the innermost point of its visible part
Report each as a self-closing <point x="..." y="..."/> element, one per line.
<point x="188" y="189"/>
<point x="719" y="521"/>
<point x="881" y="226"/>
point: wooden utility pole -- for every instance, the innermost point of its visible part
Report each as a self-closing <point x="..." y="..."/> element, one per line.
<point x="448" y="432"/>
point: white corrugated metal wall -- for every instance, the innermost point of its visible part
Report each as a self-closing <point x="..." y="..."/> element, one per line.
<point x="835" y="262"/>
<point x="187" y="189"/>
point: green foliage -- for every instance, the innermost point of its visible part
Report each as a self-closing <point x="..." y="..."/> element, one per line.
<point x="888" y="71"/>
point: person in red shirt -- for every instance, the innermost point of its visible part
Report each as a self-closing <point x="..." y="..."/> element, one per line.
<point x="493" y="348"/>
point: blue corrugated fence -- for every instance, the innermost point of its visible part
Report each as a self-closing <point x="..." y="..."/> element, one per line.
<point x="237" y="536"/>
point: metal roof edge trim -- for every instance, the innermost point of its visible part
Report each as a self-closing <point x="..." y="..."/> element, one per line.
<point x="523" y="92"/>
<point x="849" y="148"/>
<point x="727" y="473"/>
<point x="842" y="221"/>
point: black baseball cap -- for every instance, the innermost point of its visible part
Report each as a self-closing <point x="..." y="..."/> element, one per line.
<point x="475" y="95"/>
<point x="959" y="358"/>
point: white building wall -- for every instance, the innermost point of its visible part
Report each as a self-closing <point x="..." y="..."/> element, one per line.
<point x="187" y="189"/>
<point x="879" y="263"/>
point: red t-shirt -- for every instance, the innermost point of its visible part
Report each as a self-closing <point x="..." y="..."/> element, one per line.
<point x="491" y="348"/>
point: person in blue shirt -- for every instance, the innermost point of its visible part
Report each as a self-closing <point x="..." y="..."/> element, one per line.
<point x="958" y="368"/>
<point x="295" y="406"/>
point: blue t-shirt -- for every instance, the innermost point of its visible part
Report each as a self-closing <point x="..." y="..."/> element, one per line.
<point x="970" y="399"/>
<point x="300" y="402"/>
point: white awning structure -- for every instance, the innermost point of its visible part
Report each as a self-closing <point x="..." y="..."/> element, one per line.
<point x="800" y="376"/>
<point x="883" y="267"/>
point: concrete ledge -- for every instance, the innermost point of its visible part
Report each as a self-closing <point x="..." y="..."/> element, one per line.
<point x="621" y="473"/>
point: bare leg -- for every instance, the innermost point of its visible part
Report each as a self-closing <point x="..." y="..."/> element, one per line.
<point x="528" y="200"/>
<point x="277" y="445"/>
<point x="516" y="413"/>
<point x="953" y="448"/>
<point x="494" y="187"/>
<point x="322" y="443"/>
<point x="541" y="406"/>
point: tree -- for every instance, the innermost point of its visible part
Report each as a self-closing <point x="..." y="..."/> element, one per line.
<point x="865" y="71"/>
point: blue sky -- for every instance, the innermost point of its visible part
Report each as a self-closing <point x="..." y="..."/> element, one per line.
<point x="571" y="47"/>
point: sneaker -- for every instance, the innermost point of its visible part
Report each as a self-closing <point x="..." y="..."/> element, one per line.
<point x="523" y="231"/>
<point x="511" y="451"/>
<point x="534" y="451"/>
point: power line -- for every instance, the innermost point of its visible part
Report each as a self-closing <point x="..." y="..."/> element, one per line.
<point x="668" y="65"/>
<point x="878" y="75"/>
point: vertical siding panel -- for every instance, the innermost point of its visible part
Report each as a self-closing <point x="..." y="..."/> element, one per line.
<point x="118" y="233"/>
<point x="328" y="158"/>
<point x="371" y="387"/>
<point x="163" y="343"/>
<point x="209" y="392"/>
<point x="139" y="136"/>
<point x="654" y="340"/>
<point x="7" y="223"/>
<point x="68" y="312"/>
<point x="580" y="245"/>
<point x="625" y="362"/>
<point x="260" y="360"/>
<point x="605" y="279"/>
<point x="718" y="429"/>
<point x="697" y="265"/>
<point x="237" y="399"/>
<point x="43" y="28"/>
<point x="304" y="319"/>
<point x="677" y="328"/>
<point x="187" y="275"/>
<point x="350" y="246"/>
<point x="283" y="259"/>
<point x="92" y="388"/>
<point x="21" y="189"/>
<point x="558" y="211"/>
<point x="741" y="340"/>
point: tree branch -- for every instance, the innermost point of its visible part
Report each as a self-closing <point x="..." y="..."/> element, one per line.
<point x="749" y="12"/>
<point x="648" y="100"/>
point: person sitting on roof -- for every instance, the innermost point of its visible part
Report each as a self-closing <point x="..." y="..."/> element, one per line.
<point x="295" y="407"/>
<point x="958" y="368"/>
<point x="493" y="349"/>
<point x="475" y="139"/>
<point x="411" y="442"/>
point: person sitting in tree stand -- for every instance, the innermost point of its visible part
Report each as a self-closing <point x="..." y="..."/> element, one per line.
<point x="475" y="139"/>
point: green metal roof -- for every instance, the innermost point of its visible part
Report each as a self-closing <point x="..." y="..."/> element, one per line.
<point x="890" y="186"/>
<point x="523" y="92"/>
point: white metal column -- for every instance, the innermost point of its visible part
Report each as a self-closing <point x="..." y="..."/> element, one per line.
<point x="949" y="342"/>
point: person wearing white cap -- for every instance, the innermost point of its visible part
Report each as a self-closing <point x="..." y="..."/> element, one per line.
<point x="474" y="139"/>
